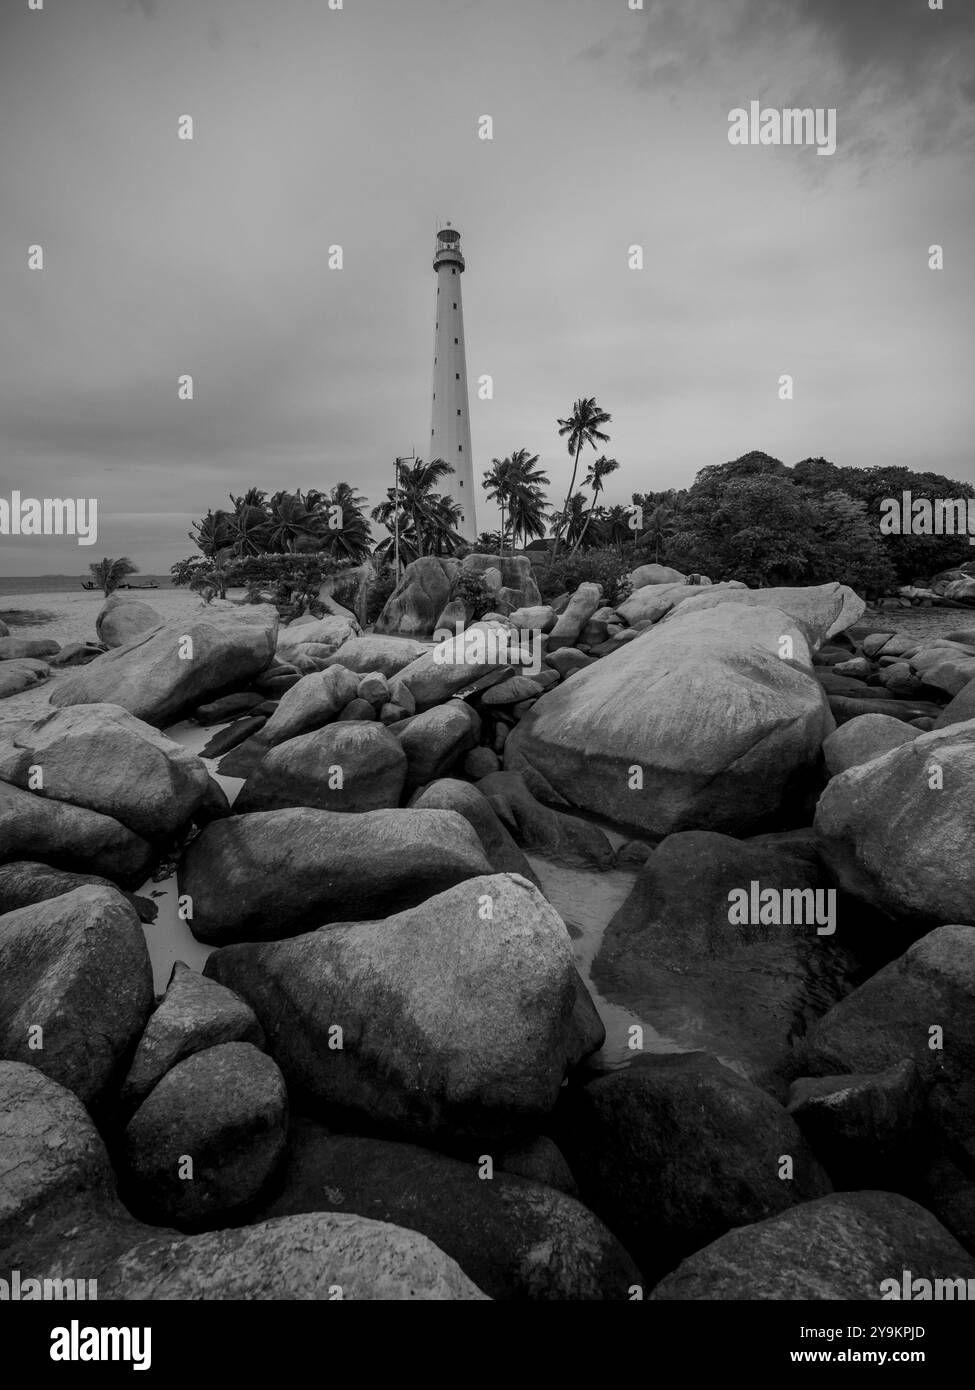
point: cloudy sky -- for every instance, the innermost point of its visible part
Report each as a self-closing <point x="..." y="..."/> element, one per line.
<point x="359" y="126"/>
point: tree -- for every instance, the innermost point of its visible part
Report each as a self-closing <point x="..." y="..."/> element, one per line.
<point x="497" y="485"/>
<point x="582" y="427"/>
<point x="571" y="521"/>
<point x="598" y="472"/>
<point x="351" y="540"/>
<point x="428" y="519"/>
<point x="110" y="573"/>
<point x="526" y="500"/>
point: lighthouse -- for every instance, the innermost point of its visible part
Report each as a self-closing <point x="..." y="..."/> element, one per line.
<point x="450" y="422"/>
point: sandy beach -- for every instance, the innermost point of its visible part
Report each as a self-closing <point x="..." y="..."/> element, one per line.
<point x="69" y="616"/>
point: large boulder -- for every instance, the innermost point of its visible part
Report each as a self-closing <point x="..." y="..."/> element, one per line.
<point x="959" y="709"/>
<point x="24" y="882"/>
<point x="328" y="633"/>
<point x="313" y="701"/>
<point x="819" y="611"/>
<point x="350" y="766"/>
<point x="194" y="1014"/>
<point x="52" y="1160"/>
<point x="899" y="1011"/>
<point x="897" y="831"/>
<point x="450" y="794"/>
<point x="434" y="740"/>
<point x="271" y="874"/>
<point x="18" y="676"/>
<point x="862" y="739"/>
<point x="516" y="574"/>
<point x="701" y="724"/>
<point x="374" y="652"/>
<point x="103" y="758"/>
<point x="75" y="988"/>
<point x="226" y="1110"/>
<point x="458" y="1017"/>
<point x="457" y="662"/>
<point x="122" y="619"/>
<point x="850" y="1246"/>
<point x="29" y="648"/>
<point x="417" y="601"/>
<point x="59" y="1216"/>
<point x="947" y="666"/>
<point x="655" y="574"/>
<point x="652" y="602"/>
<point x="317" y="1257"/>
<point x="865" y="1128"/>
<point x="573" y="618"/>
<point x="672" y="954"/>
<point x="164" y="673"/>
<point x="673" y="1151"/>
<point x="495" y="1229"/>
<point x="70" y="837"/>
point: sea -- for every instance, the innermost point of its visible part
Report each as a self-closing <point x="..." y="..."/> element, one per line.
<point x="64" y="583"/>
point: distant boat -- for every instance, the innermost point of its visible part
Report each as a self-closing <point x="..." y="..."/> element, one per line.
<point x="90" y="584"/>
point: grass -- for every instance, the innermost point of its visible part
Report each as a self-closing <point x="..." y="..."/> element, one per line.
<point x="26" y="617"/>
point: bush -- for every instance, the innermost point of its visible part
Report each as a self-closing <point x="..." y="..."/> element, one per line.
<point x="605" y="567"/>
<point x="379" y="593"/>
<point x="472" y="591"/>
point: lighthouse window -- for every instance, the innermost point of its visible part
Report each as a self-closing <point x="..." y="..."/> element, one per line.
<point x="458" y="412"/>
<point x="455" y="340"/>
<point x="460" y="448"/>
<point x="455" y="306"/>
<point x="453" y="272"/>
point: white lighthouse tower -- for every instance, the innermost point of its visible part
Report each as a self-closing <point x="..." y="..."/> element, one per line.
<point x="450" y="423"/>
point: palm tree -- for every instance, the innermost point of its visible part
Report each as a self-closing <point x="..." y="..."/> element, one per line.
<point x="582" y="427"/>
<point x="497" y="485"/>
<point x="661" y="526"/>
<point x="616" y="526"/>
<point x="290" y="521"/>
<point x="249" y="523"/>
<point x="526" y="501"/>
<point x="599" y="471"/>
<point x="110" y="573"/>
<point x="215" y="532"/>
<point x="429" y="519"/>
<point x="572" y="520"/>
<point x="349" y="541"/>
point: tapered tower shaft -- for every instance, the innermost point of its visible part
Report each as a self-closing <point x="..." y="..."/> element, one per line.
<point x="450" y="425"/>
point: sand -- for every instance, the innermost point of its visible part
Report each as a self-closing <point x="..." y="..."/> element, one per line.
<point x="74" y="621"/>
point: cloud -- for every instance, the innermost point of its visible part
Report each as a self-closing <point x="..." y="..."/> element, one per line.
<point x="898" y="73"/>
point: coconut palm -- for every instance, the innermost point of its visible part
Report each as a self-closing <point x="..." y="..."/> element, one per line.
<point x="427" y="517"/>
<point x="526" y="501"/>
<point x="351" y="540"/>
<point x="291" y="521"/>
<point x="571" y="521"/>
<point x="598" y="472"/>
<point x="110" y="573"/>
<point x="583" y="427"/>
<point x="214" y="533"/>
<point x="497" y="485"/>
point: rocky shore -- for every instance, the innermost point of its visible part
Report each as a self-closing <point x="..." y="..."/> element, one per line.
<point x="387" y="1077"/>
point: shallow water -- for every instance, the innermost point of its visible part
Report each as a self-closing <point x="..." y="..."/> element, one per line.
<point x="169" y="938"/>
<point x="920" y="622"/>
<point x="586" y="900"/>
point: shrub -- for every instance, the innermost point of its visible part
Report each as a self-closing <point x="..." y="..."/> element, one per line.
<point x="605" y="567"/>
<point x="379" y="592"/>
